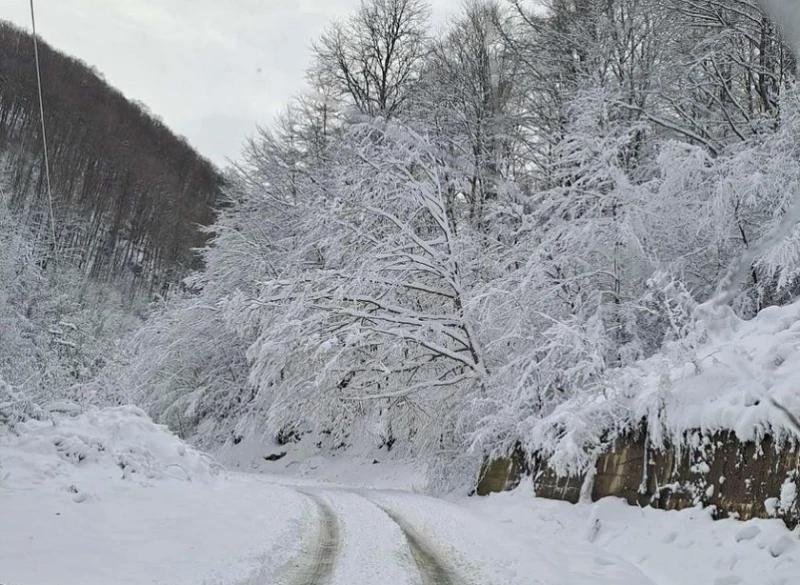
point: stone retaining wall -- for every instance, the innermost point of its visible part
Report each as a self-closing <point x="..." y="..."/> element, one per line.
<point x="744" y="480"/>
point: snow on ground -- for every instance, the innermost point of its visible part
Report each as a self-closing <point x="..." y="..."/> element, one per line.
<point x="122" y="440"/>
<point x="361" y="465"/>
<point x="671" y="548"/>
<point x="109" y="498"/>
<point x="483" y="551"/>
<point x="516" y="538"/>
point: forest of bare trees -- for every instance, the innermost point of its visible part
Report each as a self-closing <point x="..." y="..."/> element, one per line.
<point x="129" y="195"/>
<point x="129" y="201"/>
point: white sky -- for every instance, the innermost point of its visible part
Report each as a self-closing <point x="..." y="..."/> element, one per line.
<point x="210" y="69"/>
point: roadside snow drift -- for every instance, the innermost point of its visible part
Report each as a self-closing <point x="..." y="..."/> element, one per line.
<point x="669" y="547"/>
<point x="120" y="441"/>
<point x="108" y="497"/>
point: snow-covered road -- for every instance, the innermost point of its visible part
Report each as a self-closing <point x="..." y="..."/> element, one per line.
<point x="318" y="557"/>
<point x="401" y="538"/>
<point x="404" y="557"/>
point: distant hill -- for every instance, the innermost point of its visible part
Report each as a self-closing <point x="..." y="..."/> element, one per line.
<point x="129" y="194"/>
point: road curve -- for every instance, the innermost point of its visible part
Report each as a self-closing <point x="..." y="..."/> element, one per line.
<point x="432" y="569"/>
<point x="316" y="564"/>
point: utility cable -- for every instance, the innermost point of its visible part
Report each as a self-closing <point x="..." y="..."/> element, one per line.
<point x="44" y="135"/>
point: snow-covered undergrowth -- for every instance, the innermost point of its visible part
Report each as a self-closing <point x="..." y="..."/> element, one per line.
<point x="726" y="374"/>
<point x="118" y="442"/>
<point x="59" y="331"/>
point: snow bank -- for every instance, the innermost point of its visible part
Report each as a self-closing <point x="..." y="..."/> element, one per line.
<point x="728" y="374"/>
<point x="110" y="497"/>
<point x="121" y="442"/>
<point x="670" y="548"/>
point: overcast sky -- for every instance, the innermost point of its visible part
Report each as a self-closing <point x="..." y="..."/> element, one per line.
<point x="210" y="69"/>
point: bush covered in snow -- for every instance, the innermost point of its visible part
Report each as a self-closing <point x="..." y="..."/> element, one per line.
<point x="14" y="407"/>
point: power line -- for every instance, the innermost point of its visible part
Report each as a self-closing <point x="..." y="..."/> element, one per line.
<point x="44" y="134"/>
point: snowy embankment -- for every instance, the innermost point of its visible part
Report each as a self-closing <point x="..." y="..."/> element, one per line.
<point x="726" y="374"/>
<point x="109" y="497"/>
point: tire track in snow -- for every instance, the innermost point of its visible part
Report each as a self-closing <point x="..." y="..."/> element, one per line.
<point x="433" y="570"/>
<point x="318" y="562"/>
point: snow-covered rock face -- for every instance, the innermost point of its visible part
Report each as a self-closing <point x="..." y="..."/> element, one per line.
<point x="715" y="415"/>
<point x="120" y="442"/>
